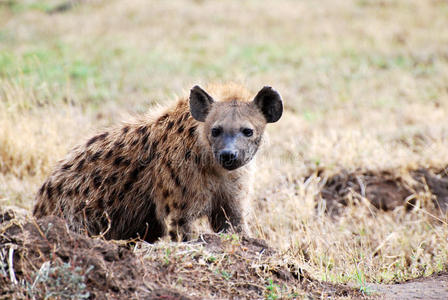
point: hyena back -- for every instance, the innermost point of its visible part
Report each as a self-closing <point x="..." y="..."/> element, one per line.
<point x="156" y="175"/>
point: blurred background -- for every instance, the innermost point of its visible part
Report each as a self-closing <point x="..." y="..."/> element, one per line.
<point x="365" y="86"/>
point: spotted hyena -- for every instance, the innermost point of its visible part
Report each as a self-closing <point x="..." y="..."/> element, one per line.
<point x="156" y="175"/>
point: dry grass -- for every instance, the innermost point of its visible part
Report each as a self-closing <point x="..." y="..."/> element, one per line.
<point x="364" y="82"/>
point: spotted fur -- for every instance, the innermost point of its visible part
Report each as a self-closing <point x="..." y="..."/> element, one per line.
<point x="154" y="176"/>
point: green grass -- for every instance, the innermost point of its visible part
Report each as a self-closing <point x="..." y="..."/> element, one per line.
<point x="48" y="71"/>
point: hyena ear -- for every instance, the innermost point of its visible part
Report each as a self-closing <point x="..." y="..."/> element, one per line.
<point x="200" y="103"/>
<point x="270" y="103"/>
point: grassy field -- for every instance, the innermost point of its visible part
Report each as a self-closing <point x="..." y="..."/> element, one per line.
<point x="365" y="84"/>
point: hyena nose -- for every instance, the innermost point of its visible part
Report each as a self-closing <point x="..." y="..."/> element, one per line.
<point x="228" y="157"/>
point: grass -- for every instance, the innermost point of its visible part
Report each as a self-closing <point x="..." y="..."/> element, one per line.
<point x="364" y="84"/>
<point x="60" y="281"/>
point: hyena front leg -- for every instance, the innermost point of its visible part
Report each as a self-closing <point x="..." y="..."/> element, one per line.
<point x="180" y="230"/>
<point x="226" y="215"/>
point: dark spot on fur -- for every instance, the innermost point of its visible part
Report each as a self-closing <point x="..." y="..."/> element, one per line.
<point x="118" y="160"/>
<point x="109" y="154"/>
<point x="183" y="206"/>
<point x="197" y="159"/>
<point x="134" y="142"/>
<point x="186" y="115"/>
<point x="80" y="165"/>
<point x="49" y="190"/>
<point x="125" y="129"/>
<point x="166" y="193"/>
<point x="167" y="209"/>
<point x="81" y="206"/>
<point x="173" y="174"/>
<point x="121" y="196"/>
<point x="67" y="166"/>
<point x="91" y="141"/>
<point x="187" y="154"/>
<point x="134" y="174"/>
<point x="145" y="139"/>
<point x="154" y="146"/>
<point x="152" y="153"/>
<point x="76" y="191"/>
<point x="191" y="131"/>
<point x="97" y="138"/>
<point x="181" y="222"/>
<point x="170" y="125"/>
<point x="112" y="179"/>
<point x="173" y="235"/>
<point x="97" y="180"/>
<point x="142" y="129"/>
<point x="86" y="191"/>
<point x="162" y="118"/>
<point x="164" y="137"/>
<point x="179" y="120"/>
<point x="119" y="144"/>
<point x="128" y="186"/>
<point x="184" y="190"/>
<point x="147" y="159"/>
<point x="100" y="203"/>
<point x="42" y="188"/>
<point x="112" y="197"/>
<point x="126" y="162"/>
<point x="69" y="193"/>
<point x="96" y="155"/>
<point x="59" y="188"/>
<point x="180" y="129"/>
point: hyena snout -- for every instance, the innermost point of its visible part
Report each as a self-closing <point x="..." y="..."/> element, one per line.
<point x="228" y="158"/>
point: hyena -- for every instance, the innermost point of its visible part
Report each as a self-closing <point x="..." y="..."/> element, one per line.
<point x="156" y="175"/>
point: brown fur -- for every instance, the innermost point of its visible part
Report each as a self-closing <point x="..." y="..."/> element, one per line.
<point x="154" y="176"/>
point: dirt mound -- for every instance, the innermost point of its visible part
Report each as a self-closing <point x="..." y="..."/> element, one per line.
<point x="384" y="189"/>
<point x="230" y="267"/>
<point x="45" y="259"/>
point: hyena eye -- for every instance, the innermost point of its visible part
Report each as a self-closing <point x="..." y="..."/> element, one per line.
<point x="247" y="132"/>
<point x="216" y="131"/>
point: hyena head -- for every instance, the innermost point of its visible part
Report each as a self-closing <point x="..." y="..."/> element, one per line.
<point x="234" y="128"/>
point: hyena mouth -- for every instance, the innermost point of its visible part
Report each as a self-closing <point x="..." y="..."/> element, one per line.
<point x="231" y="166"/>
<point x="229" y="161"/>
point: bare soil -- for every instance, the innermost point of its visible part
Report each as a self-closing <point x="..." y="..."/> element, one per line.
<point x="431" y="287"/>
<point x="116" y="272"/>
